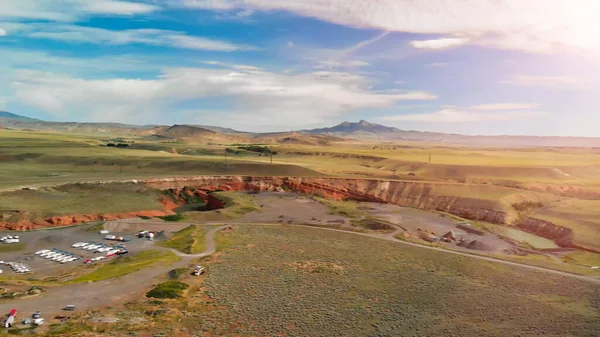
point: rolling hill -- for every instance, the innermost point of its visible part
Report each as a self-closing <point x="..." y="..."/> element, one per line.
<point x="362" y="130"/>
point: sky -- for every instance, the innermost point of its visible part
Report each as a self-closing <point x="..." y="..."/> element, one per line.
<point x="500" y="67"/>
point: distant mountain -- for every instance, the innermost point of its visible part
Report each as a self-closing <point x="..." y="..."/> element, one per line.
<point x="185" y="131"/>
<point x="220" y="129"/>
<point x="194" y="134"/>
<point x="361" y="130"/>
<point x="364" y="130"/>
<point x="5" y="115"/>
<point x="349" y="128"/>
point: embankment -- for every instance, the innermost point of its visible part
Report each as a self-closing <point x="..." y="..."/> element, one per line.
<point x="467" y="201"/>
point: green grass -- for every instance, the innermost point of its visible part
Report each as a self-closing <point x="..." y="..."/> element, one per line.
<point x="536" y="242"/>
<point x="348" y="209"/>
<point x="584" y="259"/>
<point x="127" y="265"/>
<point x="223" y="240"/>
<point x="178" y="273"/>
<point x="95" y="228"/>
<point x="545" y="262"/>
<point x="190" y="240"/>
<point x="168" y="290"/>
<point x="172" y="218"/>
<point x="13" y="247"/>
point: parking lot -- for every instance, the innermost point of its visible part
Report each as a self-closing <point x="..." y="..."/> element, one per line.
<point x="61" y="241"/>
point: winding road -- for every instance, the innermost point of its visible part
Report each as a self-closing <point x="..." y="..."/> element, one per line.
<point x="96" y="295"/>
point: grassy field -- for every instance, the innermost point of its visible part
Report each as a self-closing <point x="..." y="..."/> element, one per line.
<point x="80" y="199"/>
<point x="348" y="209"/>
<point x="34" y="158"/>
<point x="583" y="259"/>
<point x="190" y="240"/>
<point x="305" y="282"/>
<point x="127" y="265"/>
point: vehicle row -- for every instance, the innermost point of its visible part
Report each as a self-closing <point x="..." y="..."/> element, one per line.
<point x="96" y="247"/>
<point x="17" y="267"/>
<point x="57" y="255"/>
<point x="10" y="239"/>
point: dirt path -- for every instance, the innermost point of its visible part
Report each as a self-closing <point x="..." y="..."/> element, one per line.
<point x="119" y="290"/>
<point x="211" y="245"/>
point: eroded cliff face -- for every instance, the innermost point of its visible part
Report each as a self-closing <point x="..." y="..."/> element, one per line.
<point x="411" y="194"/>
<point x="403" y="193"/>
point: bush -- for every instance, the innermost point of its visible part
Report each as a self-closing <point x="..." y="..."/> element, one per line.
<point x="172" y="218"/>
<point x="178" y="273"/>
<point x="169" y="289"/>
<point x="259" y="149"/>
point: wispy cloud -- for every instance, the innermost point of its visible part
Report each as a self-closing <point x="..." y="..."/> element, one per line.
<point x="438" y="64"/>
<point x="260" y="97"/>
<point x="338" y="64"/>
<point x="507" y="24"/>
<point x="439" y="43"/>
<point x="2" y="32"/>
<point x="505" y="106"/>
<point x="80" y="34"/>
<point x="70" y="10"/>
<point x="451" y="115"/>
<point x="362" y="44"/>
<point x="556" y="82"/>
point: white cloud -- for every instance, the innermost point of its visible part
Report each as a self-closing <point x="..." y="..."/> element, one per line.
<point x="337" y="64"/>
<point x="556" y="82"/>
<point x="156" y="37"/>
<point x="2" y="32"/>
<point x="451" y="115"/>
<point x="505" y="106"/>
<point x="439" y="43"/>
<point x="259" y="97"/>
<point x="528" y="25"/>
<point x="438" y="64"/>
<point x="70" y="10"/>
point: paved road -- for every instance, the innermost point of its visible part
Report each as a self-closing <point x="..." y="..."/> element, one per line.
<point x="119" y="290"/>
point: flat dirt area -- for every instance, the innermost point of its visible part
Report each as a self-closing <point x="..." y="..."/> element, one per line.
<point x="411" y="220"/>
<point x="290" y="208"/>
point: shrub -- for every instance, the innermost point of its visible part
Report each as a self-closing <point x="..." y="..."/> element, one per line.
<point x="169" y="289"/>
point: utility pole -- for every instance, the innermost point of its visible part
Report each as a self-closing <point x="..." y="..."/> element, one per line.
<point x="430" y="157"/>
<point x="271" y="153"/>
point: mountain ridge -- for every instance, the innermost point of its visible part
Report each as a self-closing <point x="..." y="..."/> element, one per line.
<point x="361" y="130"/>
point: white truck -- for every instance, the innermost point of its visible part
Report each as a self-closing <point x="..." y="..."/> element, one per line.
<point x="199" y="270"/>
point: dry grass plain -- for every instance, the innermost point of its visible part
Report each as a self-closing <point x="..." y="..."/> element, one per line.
<point x="277" y="280"/>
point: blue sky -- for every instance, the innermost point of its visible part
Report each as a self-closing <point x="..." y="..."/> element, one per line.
<point x="485" y="67"/>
